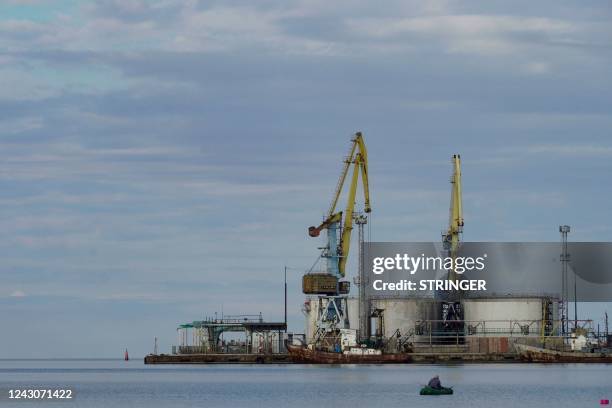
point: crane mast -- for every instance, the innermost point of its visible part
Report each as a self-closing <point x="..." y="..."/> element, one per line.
<point x="332" y="304"/>
<point x="452" y="237"/>
<point x="451" y="305"/>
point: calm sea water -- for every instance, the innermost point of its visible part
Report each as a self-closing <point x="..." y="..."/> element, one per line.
<point x="112" y="383"/>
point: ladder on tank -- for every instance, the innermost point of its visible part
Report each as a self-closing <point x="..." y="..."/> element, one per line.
<point x="547" y="318"/>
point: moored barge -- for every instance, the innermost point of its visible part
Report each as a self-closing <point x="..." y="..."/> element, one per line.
<point x="309" y="355"/>
<point x="543" y="355"/>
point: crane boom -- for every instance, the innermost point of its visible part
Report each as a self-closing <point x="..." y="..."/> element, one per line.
<point x="359" y="146"/>
<point x="455" y="224"/>
<point x="358" y="158"/>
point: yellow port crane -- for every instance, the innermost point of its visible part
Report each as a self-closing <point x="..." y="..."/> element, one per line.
<point x="337" y="249"/>
<point x="452" y="237"/>
<point x="452" y="309"/>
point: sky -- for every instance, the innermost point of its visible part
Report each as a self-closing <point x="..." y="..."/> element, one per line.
<point x="161" y="161"/>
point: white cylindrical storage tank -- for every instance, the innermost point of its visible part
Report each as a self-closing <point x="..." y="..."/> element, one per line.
<point x="353" y="312"/>
<point x="508" y="316"/>
<point x="310" y="310"/>
<point x="405" y="315"/>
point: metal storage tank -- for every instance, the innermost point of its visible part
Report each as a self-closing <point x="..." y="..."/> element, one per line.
<point x="404" y="315"/>
<point x="509" y="316"/>
<point x="491" y="316"/>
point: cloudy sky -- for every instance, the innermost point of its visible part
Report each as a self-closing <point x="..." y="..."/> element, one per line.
<point x="161" y="160"/>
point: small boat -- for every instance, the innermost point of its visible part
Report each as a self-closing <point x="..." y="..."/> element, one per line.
<point x="436" y="391"/>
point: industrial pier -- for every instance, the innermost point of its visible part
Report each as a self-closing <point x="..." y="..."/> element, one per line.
<point x="201" y="342"/>
<point x="218" y="358"/>
<point x="343" y="328"/>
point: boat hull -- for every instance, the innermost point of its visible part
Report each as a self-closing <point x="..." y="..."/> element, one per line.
<point x="435" y="391"/>
<point x="542" y="355"/>
<point x="301" y="354"/>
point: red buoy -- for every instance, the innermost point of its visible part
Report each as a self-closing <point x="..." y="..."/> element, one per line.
<point x="126" y="355"/>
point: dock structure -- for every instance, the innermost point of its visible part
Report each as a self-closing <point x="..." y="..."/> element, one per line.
<point x="205" y="336"/>
<point x="218" y="358"/>
<point x="202" y="341"/>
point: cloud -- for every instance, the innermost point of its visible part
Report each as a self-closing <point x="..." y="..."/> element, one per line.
<point x="20" y="125"/>
<point x="537" y="68"/>
<point x="135" y="10"/>
<point x="25" y="2"/>
<point x="572" y="150"/>
<point x="477" y="34"/>
<point x="21" y="29"/>
<point x="296" y="27"/>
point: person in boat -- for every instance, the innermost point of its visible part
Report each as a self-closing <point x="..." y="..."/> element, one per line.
<point x="435" y="383"/>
